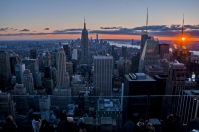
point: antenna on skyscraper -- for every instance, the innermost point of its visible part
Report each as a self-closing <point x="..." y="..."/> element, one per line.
<point x="183" y="26"/>
<point x="84" y="22"/>
<point x="147" y="20"/>
<point x="182" y="34"/>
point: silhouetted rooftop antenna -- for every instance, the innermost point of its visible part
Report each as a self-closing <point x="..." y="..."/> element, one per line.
<point x="182" y="35"/>
<point x="84" y="22"/>
<point x="183" y="27"/>
<point x="147" y="20"/>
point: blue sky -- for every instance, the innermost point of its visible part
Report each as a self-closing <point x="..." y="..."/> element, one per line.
<point x="36" y="15"/>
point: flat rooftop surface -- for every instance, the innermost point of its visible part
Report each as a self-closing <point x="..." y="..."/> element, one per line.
<point x="148" y="78"/>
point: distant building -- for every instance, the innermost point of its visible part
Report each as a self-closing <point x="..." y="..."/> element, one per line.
<point x="33" y="54"/>
<point x="110" y="108"/>
<point x="14" y="59"/>
<point x="161" y="80"/>
<point x="127" y="66"/>
<point x="144" y="38"/>
<point x="188" y="105"/>
<point x="152" y="70"/>
<point x="61" y="67"/>
<point x="33" y="102"/>
<point x="19" y="69"/>
<point x="124" y="52"/>
<point x="150" y="54"/>
<point x="69" y="68"/>
<point x="27" y="80"/>
<point x="32" y="65"/>
<point x="48" y="84"/>
<point x="102" y="77"/>
<point x="39" y="79"/>
<point x="44" y="106"/>
<point x="84" y="46"/>
<point x="164" y="63"/>
<point x="135" y="62"/>
<point x="5" y="71"/>
<point x="96" y="36"/>
<point x="47" y="59"/>
<point x="41" y="61"/>
<point x="6" y="105"/>
<point x="67" y="50"/>
<point x="13" y="80"/>
<point x="47" y="72"/>
<point x="175" y="85"/>
<point x="21" y="98"/>
<point x="61" y="98"/>
<point x="163" y="49"/>
<point x="74" y="54"/>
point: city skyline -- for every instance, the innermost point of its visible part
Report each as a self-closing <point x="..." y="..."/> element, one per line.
<point x="111" y="19"/>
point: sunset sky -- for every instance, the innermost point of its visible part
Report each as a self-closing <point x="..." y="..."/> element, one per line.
<point x="121" y="19"/>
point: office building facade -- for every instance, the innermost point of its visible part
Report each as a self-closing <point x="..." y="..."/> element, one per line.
<point x="103" y="66"/>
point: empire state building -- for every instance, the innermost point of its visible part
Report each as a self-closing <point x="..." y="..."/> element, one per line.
<point x="84" y="46"/>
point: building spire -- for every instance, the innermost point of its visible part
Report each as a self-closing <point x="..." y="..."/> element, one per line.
<point x="147" y="20"/>
<point x="183" y="27"/>
<point x="84" y="23"/>
<point x="182" y="34"/>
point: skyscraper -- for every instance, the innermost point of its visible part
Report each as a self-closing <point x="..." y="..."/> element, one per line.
<point x="61" y="67"/>
<point x="19" y="69"/>
<point x="96" y="36"/>
<point x="5" y="72"/>
<point x="144" y="38"/>
<point x="27" y="80"/>
<point x="103" y="66"/>
<point x="47" y="59"/>
<point x="62" y="93"/>
<point x="163" y="49"/>
<point x="175" y="85"/>
<point x="74" y="54"/>
<point x="21" y="98"/>
<point x="33" y="54"/>
<point x="150" y="54"/>
<point x="135" y="62"/>
<point x="124" y="53"/>
<point x="139" y="84"/>
<point x="13" y="60"/>
<point x="32" y="65"/>
<point x="67" y="50"/>
<point x="6" y="105"/>
<point x="84" y="46"/>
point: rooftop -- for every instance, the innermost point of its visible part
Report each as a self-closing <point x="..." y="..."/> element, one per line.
<point x="141" y="77"/>
<point x="109" y="105"/>
<point x="103" y="57"/>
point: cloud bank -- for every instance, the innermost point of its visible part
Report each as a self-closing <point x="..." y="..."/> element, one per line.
<point x="3" y="29"/>
<point x="156" y="30"/>
<point x="46" y="28"/>
<point x="25" y="30"/>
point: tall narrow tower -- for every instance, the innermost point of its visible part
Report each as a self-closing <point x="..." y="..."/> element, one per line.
<point x="61" y="67"/>
<point x="47" y="61"/>
<point x="182" y="35"/>
<point x="5" y="73"/>
<point x="84" y="46"/>
<point x="144" y="35"/>
<point x="27" y="81"/>
<point x="96" y="36"/>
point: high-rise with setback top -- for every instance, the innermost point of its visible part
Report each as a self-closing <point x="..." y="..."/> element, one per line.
<point x="84" y="46"/>
<point x="61" y="67"/>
